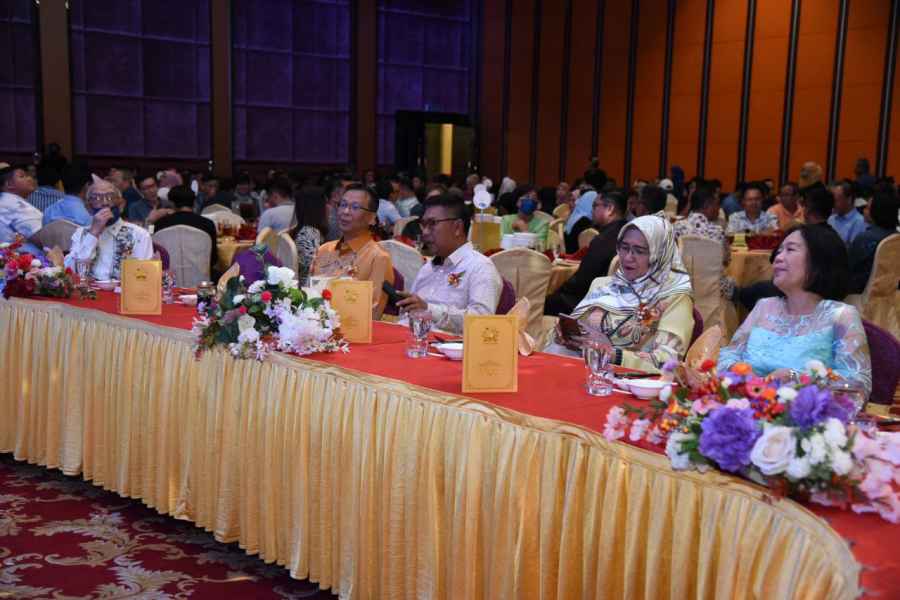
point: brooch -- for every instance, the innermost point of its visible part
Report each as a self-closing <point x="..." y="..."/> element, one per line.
<point x="454" y="278"/>
<point x="648" y="315"/>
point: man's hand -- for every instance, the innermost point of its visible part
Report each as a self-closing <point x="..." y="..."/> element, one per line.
<point x="520" y="226"/>
<point x="100" y="220"/>
<point x="411" y="302"/>
<point x="158" y="213"/>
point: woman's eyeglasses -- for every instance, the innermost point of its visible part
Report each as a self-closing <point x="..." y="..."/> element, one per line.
<point x="636" y="251"/>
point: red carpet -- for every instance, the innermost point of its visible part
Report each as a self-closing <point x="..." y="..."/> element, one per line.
<point x="63" y="537"/>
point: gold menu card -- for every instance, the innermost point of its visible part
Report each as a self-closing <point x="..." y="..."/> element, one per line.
<point x="352" y="299"/>
<point x="490" y="356"/>
<point x="141" y="287"/>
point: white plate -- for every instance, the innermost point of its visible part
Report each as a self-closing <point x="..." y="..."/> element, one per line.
<point x="452" y="350"/>
<point x="107" y="285"/>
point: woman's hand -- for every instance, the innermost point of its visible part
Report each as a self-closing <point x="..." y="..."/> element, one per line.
<point x="784" y="375"/>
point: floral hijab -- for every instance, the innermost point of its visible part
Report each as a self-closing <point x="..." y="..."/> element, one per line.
<point x="665" y="277"/>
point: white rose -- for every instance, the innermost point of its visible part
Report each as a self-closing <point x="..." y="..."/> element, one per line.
<point x="665" y="393"/>
<point x="250" y="336"/>
<point x="4" y="245"/>
<point x="834" y="434"/>
<point x="239" y="298"/>
<point x="680" y="460"/>
<point x="281" y="276"/>
<point x="774" y="450"/>
<point x="726" y="382"/>
<point x="841" y="462"/>
<point x="786" y="394"/>
<point x="257" y="286"/>
<point x="245" y="323"/>
<point x="739" y="403"/>
<point x="798" y="468"/>
<point x="312" y="293"/>
<point x="815" y="448"/>
<point x="817" y="367"/>
<point x="35" y="264"/>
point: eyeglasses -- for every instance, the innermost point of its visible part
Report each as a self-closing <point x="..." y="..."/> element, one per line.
<point x="354" y="206"/>
<point x="636" y="251"/>
<point x="429" y="223"/>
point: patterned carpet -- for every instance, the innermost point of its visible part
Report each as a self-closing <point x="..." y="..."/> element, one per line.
<point x="63" y="538"/>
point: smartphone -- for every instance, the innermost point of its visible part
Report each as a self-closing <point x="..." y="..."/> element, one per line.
<point x="393" y="295"/>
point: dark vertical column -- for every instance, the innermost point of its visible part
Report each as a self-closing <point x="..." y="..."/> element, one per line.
<point x="535" y="92"/>
<point x="704" y="86"/>
<point x="363" y="86"/>
<point x="667" y="90"/>
<point x="788" y="118"/>
<point x="745" y="89"/>
<point x="507" y="77"/>
<point x="632" y="76"/>
<point x="834" y="122"/>
<point x="887" y="90"/>
<point x="564" y="113"/>
<point x="598" y="77"/>
<point x="56" y="82"/>
<point x="220" y="42"/>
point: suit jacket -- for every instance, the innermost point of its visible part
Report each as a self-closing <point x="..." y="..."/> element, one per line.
<point x="594" y="264"/>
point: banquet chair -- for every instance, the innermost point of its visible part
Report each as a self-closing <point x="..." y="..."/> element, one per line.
<point x="399" y="225"/>
<point x="884" y="349"/>
<point x="562" y="211"/>
<point x="56" y="234"/>
<point x="189" y="250"/>
<point x="266" y="237"/>
<point x="163" y="255"/>
<point x="585" y="237"/>
<point x="507" y="298"/>
<point x="214" y="208"/>
<point x="878" y="301"/>
<point x="705" y="347"/>
<point x="285" y="250"/>
<point x="226" y="217"/>
<point x="556" y="236"/>
<point x="406" y="259"/>
<point x="704" y="262"/>
<point x="529" y="273"/>
<point x="613" y="265"/>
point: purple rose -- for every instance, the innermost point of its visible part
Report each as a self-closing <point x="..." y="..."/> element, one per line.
<point x="811" y="406"/>
<point x="728" y="437"/>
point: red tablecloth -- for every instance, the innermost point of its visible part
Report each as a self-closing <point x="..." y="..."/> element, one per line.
<point x="553" y="387"/>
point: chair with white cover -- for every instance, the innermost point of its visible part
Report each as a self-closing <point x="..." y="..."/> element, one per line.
<point x="56" y="234"/>
<point x="285" y="250"/>
<point x="189" y="251"/>
<point x="705" y="347"/>
<point x="703" y="259"/>
<point x="556" y="239"/>
<point x="221" y="218"/>
<point x="562" y="211"/>
<point x="399" y="225"/>
<point x="266" y="237"/>
<point x="529" y="273"/>
<point x="586" y="236"/>
<point x="406" y="259"/>
<point x="214" y="208"/>
<point x="613" y="266"/>
<point x="878" y="301"/>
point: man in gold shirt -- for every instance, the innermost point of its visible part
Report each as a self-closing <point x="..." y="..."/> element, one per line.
<point x="356" y="253"/>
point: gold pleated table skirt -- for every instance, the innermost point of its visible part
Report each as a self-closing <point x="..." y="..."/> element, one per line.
<point x="378" y="489"/>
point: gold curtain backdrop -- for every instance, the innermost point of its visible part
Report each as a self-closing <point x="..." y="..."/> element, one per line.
<point x="378" y="489"/>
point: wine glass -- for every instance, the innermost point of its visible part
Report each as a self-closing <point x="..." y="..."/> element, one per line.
<point x="850" y="391"/>
<point x="83" y="271"/>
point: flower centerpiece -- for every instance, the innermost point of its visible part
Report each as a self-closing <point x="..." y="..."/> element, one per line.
<point x="269" y="314"/>
<point x="24" y="275"/>
<point x="796" y="438"/>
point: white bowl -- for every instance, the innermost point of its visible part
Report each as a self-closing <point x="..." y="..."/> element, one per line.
<point x="452" y="350"/>
<point x="645" y="389"/>
<point x="107" y="285"/>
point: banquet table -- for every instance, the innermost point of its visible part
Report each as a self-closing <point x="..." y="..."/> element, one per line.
<point x="371" y="474"/>
<point x="749" y="266"/>
<point x="560" y="273"/>
<point x="226" y="249"/>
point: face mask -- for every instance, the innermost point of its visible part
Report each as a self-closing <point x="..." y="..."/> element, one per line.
<point x="115" y="211"/>
<point x="528" y="206"/>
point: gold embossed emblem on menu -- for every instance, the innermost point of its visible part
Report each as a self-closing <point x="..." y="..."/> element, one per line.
<point x="352" y="300"/>
<point x="141" y="287"/>
<point x="490" y="356"/>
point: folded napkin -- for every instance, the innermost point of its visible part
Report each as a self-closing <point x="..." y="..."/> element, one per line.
<point x="521" y="309"/>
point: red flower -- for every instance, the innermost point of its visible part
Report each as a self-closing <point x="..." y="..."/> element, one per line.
<point x="707" y="365"/>
<point x="326" y="294"/>
<point x="242" y="310"/>
<point x="68" y="271"/>
<point x="776" y="409"/>
<point x="266" y="296"/>
<point x="24" y="261"/>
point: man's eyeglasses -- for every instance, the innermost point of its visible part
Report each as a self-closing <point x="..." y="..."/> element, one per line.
<point x="353" y="206"/>
<point x="636" y="251"/>
<point x="430" y="223"/>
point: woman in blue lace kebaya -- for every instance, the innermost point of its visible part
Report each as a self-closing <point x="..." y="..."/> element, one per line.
<point x="808" y="321"/>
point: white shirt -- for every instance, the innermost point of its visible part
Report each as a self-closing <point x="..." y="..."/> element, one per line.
<point x="17" y="217"/>
<point x="279" y="217"/>
<point x="133" y="242"/>
<point x="406" y="204"/>
<point x="467" y="282"/>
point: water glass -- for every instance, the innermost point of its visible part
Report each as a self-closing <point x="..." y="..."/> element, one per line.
<point x="168" y="287"/>
<point x="83" y="271"/>
<point x="420" y="322"/>
<point x="597" y="356"/>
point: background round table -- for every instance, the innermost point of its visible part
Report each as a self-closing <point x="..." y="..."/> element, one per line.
<point x="561" y="272"/>
<point x="749" y="266"/>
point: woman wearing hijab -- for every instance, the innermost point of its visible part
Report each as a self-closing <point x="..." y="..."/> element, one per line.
<point x="645" y="309"/>
<point x="580" y="219"/>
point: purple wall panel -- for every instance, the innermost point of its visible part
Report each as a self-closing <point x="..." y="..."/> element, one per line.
<point x="140" y="77"/>
<point x="291" y="84"/>
<point x="424" y="61"/>
<point x="19" y="72"/>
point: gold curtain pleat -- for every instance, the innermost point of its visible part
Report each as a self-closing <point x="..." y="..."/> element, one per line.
<point x="378" y="489"/>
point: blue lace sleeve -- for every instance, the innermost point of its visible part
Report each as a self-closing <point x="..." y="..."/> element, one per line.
<point x="735" y="351"/>
<point x="851" y="348"/>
